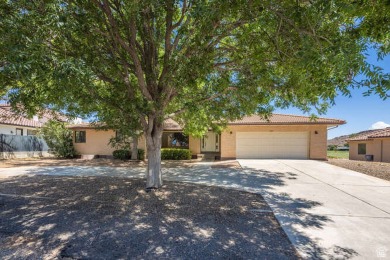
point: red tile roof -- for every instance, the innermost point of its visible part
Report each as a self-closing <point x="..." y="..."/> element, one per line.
<point x="274" y="119"/>
<point x="379" y="133"/>
<point x="171" y="125"/>
<point x="384" y="133"/>
<point x="9" y="117"/>
<point x="282" y="119"/>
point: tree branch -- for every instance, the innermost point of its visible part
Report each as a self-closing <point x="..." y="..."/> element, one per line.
<point x="138" y="71"/>
<point x="182" y="110"/>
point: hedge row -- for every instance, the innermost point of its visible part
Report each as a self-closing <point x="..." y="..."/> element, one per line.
<point x="124" y="154"/>
<point x="166" y="154"/>
<point x="175" y="154"/>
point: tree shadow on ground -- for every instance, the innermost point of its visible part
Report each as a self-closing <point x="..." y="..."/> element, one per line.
<point x="294" y="213"/>
<point x="151" y="233"/>
<point x="110" y="218"/>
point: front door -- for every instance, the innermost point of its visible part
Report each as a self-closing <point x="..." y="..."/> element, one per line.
<point x="210" y="142"/>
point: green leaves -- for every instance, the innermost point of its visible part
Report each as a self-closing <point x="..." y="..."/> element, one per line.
<point x="59" y="139"/>
<point x="201" y="62"/>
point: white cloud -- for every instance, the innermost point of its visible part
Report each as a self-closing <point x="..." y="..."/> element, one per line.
<point x="379" y="125"/>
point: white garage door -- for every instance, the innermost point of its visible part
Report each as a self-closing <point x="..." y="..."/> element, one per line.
<point x="272" y="145"/>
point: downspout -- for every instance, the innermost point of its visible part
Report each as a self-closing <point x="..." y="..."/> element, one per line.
<point x="381" y="150"/>
<point x="332" y="127"/>
<point x="327" y="129"/>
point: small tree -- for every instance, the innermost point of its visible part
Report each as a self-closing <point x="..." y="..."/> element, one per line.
<point x="59" y="139"/>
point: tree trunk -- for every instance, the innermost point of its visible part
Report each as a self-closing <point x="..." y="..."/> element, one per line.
<point x="153" y="143"/>
<point x="134" y="148"/>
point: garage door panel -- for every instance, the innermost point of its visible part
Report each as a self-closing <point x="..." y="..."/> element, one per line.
<point x="248" y="149"/>
<point x="272" y="145"/>
<point x="249" y="142"/>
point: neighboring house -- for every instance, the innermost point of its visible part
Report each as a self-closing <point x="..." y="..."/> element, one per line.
<point x="281" y="136"/>
<point x="373" y="145"/>
<point x="17" y="133"/>
<point x="12" y="123"/>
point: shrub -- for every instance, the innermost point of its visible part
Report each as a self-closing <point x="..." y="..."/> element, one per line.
<point x="59" y="139"/>
<point x="175" y="154"/>
<point x="122" y="154"/>
<point x="141" y="154"/>
<point x="332" y="147"/>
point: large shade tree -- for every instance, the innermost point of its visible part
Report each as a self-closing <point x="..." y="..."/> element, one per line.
<point x="201" y="62"/>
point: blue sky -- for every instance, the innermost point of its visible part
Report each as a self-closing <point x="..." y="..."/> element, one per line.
<point x="360" y="112"/>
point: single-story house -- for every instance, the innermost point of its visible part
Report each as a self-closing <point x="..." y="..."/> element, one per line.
<point x="17" y="133"/>
<point x="280" y="136"/>
<point x="12" y="123"/>
<point x="373" y="145"/>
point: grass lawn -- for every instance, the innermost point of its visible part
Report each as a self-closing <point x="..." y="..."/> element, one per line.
<point x="338" y="154"/>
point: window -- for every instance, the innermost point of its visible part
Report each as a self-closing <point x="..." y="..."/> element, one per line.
<point x="79" y="136"/>
<point x="119" y="136"/>
<point x="19" y="131"/>
<point x="31" y="132"/>
<point x="174" y="139"/>
<point x="361" y="148"/>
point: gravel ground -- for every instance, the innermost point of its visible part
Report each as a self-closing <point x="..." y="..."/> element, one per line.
<point x="376" y="169"/>
<point x="47" y="217"/>
<point x="20" y="162"/>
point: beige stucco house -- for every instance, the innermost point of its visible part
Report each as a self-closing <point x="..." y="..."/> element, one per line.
<point x="374" y="145"/>
<point x="281" y="136"/>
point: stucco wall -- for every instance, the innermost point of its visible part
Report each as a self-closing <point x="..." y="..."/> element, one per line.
<point x="97" y="142"/>
<point x="386" y="150"/>
<point x="317" y="142"/>
<point x="353" y="150"/>
<point x="379" y="148"/>
<point x="7" y="129"/>
<point x="194" y="145"/>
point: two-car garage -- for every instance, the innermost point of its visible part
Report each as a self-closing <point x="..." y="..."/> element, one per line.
<point x="272" y="145"/>
<point x="278" y="136"/>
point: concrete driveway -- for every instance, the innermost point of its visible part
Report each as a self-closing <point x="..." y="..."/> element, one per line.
<point x="328" y="212"/>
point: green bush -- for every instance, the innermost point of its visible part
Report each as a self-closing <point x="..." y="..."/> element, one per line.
<point x="141" y="154"/>
<point x="58" y="138"/>
<point x="175" y="154"/>
<point x="332" y="147"/>
<point x="121" y="154"/>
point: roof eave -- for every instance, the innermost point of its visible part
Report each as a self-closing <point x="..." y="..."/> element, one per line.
<point x="292" y="123"/>
<point x="23" y="125"/>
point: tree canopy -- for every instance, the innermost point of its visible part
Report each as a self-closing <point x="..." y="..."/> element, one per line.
<point x="201" y="62"/>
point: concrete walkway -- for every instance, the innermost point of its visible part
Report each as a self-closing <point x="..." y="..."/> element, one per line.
<point x="328" y="212"/>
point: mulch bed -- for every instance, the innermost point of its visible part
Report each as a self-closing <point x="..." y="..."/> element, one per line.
<point x="110" y="218"/>
<point x="376" y="169"/>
